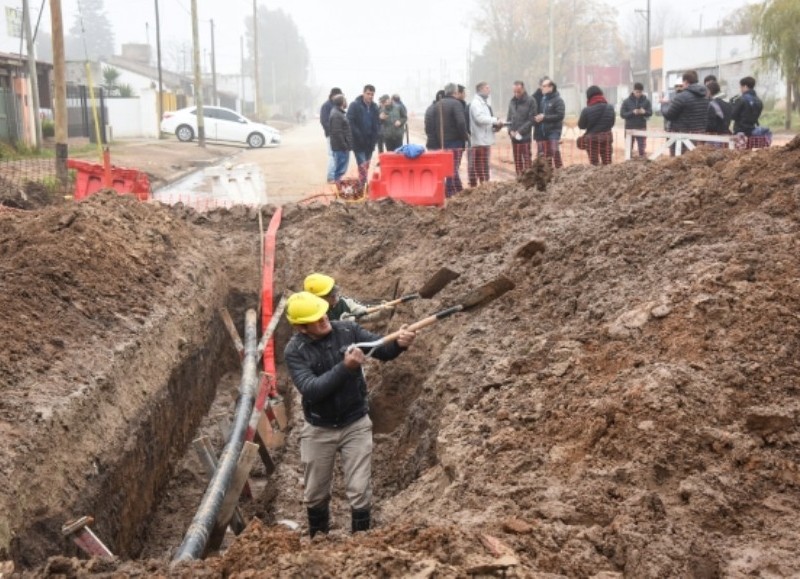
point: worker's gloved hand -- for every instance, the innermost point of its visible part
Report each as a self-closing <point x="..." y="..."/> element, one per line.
<point x="353" y="358"/>
<point x="406" y="338"/>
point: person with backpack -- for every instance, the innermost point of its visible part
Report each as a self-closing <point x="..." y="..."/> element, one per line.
<point x="747" y="107"/>
<point x="719" y="111"/>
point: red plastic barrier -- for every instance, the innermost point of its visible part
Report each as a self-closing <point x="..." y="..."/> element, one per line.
<point x="417" y="181"/>
<point x="376" y="188"/>
<point x="90" y="178"/>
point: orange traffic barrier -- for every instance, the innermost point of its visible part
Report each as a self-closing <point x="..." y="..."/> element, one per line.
<point x="92" y="177"/>
<point x="418" y="181"/>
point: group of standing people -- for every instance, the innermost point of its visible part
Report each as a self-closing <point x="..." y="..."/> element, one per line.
<point x="453" y="124"/>
<point x="359" y="127"/>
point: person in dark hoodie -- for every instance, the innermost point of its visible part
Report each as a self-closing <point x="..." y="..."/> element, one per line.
<point x="747" y="107"/>
<point x="365" y="126"/>
<point x="636" y="109"/>
<point x="687" y="112"/>
<point x="597" y="119"/>
<point x="550" y="123"/>
<point x="432" y="141"/>
<point x="521" y="111"/>
<point x="341" y="138"/>
<point x="452" y="133"/>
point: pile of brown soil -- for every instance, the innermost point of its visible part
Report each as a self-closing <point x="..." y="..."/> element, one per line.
<point x="629" y="408"/>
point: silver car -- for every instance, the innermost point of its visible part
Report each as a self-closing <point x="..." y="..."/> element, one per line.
<point x="220" y="124"/>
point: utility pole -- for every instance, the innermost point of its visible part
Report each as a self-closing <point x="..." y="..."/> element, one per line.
<point x="37" y="122"/>
<point x="649" y="84"/>
<point x="241" y="68"/>
<point x="257" y="97"/>
<point x="198" y="79"/>
<point x="59" y="92"/>
<point x="213" y="67"/>
<point x="160" y="79"/>
<point x="551" y="64"/>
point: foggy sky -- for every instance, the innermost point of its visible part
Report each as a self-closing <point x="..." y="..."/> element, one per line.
<point x="406" y="43"/>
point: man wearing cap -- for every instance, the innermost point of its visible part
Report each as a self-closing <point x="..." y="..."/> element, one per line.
<point x="341" y="307"/>
<point x="328" y="374"/>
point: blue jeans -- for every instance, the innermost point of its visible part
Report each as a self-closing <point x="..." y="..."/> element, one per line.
<point x="341" y="161"/>
<point x="331" y="162"/>
<point x="362" y="160"/>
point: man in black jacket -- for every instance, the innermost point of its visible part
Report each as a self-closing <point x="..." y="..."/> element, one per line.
<point x="747" y="107"/>
<point x="550" y="123"/>
<point x="452" y="133"/>
<point x="324" y="120"/>
<point x="432" y="124"/>
<point x="520" y="118"/>
<point x="636" y="109"/>
<point x="327" y="372"/>
<point x="365" y="126"/>
<point x="719" y="112"/>
<point x="688" y="110"/>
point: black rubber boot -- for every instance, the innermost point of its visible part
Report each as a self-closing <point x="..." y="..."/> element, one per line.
<point x="318" y="520"/>
<point x="360" y="520"/>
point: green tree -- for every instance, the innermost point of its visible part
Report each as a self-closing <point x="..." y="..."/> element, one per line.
<point x="517" y="40"/>
<point x="91" y="35"/>
<point x="283" y="62"/>
<point x="110" y="77"/>
<point x="776" y="31"/>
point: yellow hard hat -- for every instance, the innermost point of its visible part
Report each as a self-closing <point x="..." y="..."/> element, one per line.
<point x="319" y="284"/>
<point x="305" y="308"/>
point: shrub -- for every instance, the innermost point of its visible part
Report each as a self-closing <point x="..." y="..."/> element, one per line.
<point x="48" y="128"/>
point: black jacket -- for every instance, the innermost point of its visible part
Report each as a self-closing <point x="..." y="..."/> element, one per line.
<point x="746" y="112"/>
<point x="432" y="127"/>
<point x="333" y="395"/>
<point x="450" y="111"/>
<point x="341" y="138"/>
<point x="688" y="111"/>
<point x="719" y="117"/>
<point x="520" y="114"/>
<point x="553" y="108"/>
<point x="325" y="116"/>
<point x="365" y="124"/>
<point x="597" y="118"/>
<point x="632" y="103"/>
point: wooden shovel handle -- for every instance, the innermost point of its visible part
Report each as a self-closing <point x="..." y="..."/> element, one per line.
<point x="384" y="305"/>
<point x="423" y="323"/>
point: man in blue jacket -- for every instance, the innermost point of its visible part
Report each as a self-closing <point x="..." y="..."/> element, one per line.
<point x="365" y="126"/>
<point x="327" y="373"/>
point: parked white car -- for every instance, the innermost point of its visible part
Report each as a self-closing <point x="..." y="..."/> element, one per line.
<point x="220" y="124"/>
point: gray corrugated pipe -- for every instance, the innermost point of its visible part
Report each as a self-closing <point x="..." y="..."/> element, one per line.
<point x="196" y="538"/>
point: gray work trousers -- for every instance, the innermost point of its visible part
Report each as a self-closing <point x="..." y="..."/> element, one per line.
<point x="318" y="448"/>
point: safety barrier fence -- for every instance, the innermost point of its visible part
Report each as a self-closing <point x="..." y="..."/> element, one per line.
<point x="29" y="182"/>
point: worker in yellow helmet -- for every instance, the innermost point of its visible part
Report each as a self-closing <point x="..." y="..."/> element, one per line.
<point x="341" y="307"/>
<point x="329" y="377"/>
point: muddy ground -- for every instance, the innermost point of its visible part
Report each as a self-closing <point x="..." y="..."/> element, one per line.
<point x="629" y="409"/>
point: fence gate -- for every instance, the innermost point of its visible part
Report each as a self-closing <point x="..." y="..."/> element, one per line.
<point x="80" y="117"/>
<point x="10" y="123"/>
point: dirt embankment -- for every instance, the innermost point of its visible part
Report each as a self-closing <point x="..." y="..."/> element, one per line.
<point x="629" y="409"/>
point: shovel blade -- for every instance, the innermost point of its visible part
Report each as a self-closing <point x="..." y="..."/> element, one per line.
<point x="487" y="292"/>
<point x="437" y="282"/>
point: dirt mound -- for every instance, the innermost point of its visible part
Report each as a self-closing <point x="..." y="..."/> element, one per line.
<point x="629" y="408"/>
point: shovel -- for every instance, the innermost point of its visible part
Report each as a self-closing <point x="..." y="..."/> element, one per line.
<point x="433" y="286"/>
<point x="477" y="297"/>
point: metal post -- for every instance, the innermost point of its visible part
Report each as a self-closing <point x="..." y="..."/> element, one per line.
<point x="551" y="65"/>
<point x="213" y="68"/>
<point x="59" y="92"/>
<point x="649" y="72"/>
<point x="160" y="80"/>
<point x="257" y="97"/>
<point x="198" y="79"/>
<point x="37" y="122"/>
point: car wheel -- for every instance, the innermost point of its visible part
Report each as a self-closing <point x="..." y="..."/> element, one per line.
<point x="184" y="133"/>
<point x="256" y="140"/>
